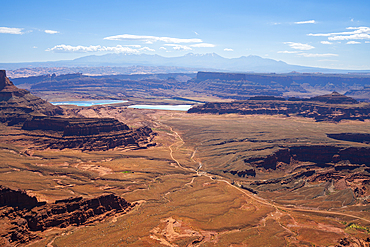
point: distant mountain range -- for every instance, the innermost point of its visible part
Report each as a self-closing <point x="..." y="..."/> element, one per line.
<point x="209" y="61"/>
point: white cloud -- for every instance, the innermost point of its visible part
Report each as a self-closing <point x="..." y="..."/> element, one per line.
<point x="162" y="48"/>
<point x="94" y="48"/>
<point x="136" y="46"/>
<point x="179" y="47"/>
<point x="152" y="39"/>
<point x="287" y="52"/>
<point x="353" y="42"/>
<point x="34" y="47"/>
<point x="326" y="43"/>
<point x="367" y="42"/>
<point x="51" y="31"/>
<point x="196" y="33"/>
<point x="203" y="45"/>
<point x="319" y="34"/>
<point x="353" y="36"/>
<point x="305" y="22"/>
<point x="317" y="55"/>
<point x="228" y="49"/>
<point x="79" y="48"/>
<point x="146" y="49"/>
<point x="299" y="46"/>
<point x="11" y="30"/>
<point x="357" y="33"/>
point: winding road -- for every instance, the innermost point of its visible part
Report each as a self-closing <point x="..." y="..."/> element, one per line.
<point x="248" y="194"/>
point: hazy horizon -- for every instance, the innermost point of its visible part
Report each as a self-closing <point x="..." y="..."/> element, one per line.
<point x="329" y="34"/>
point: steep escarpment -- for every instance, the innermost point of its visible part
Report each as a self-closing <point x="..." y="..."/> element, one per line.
<point x="321" y="156"/>
<point x="43" y="124"/>
<point x="16" y="105"/>
<point x="332" y="107"/>
<point x="16" y="198"/>
<point x="318" y="169"/>
<point x="314" y="153"/>
<point x="85" y="133"/>
<point x="288" y="79"/>
<point x="333" y="98"/>
<point x="75" y="126"/>
<point x="15" y="101"/>
<point x="23" y="219"/>
<point x="351" y="184"/>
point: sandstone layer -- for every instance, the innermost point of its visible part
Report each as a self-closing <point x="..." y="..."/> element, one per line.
<point x="16" y="105"/>
<point x="22" y="216"/>
<point x="345" y="169"/>
<point x="43" y="124"/>
<point x="92" y="134"/>
<point x="332" y="107"/>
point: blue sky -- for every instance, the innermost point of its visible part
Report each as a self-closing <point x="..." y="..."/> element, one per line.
<point x="322" y="33"/>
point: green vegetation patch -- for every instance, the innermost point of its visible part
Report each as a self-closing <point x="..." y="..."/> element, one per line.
<point x="357" y="227"/>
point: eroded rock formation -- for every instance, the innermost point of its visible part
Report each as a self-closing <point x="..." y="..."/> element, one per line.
<point x="315" y="153"/>
<point x="344" y="170"/>
<point x="16" y="105"/>
<point x="86" y="133"/>
<point x="44" y="125"/>
<point x="332" y="107"/>
<point x="16" y="198"/>
<point x="22" y="216"/>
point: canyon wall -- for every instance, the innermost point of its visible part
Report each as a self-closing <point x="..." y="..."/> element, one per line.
<point x="21" y="215"/>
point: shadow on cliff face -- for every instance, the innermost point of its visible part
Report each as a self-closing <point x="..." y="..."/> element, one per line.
<point x="351" y="137"/>
<point x="21" y="215"/>
<point x="332" y="107"/>
<point x="93" y="134"/>
<point x="315" y="154"/>
<point x="322" y="174"/>
<point x="43" y="123"/>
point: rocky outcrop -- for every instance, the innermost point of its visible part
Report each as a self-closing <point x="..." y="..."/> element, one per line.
<point x="316" y="154"/>
<point x="21" y="222"/>
<point x="351" y="182"/>
<point x="73" y="211"/>
<point x="96" y="134"/>
<point x="334" y="98"/>
<point x="42" y="125"/>
<point x="16" y="105"/>
<point x="323" y="108"/>
<point x="352" y="241"/>
<point x="16" y="198"/>
<point x="75" y="126"/>
<point x="344" y="170"/>
<point x="5" y="84"/>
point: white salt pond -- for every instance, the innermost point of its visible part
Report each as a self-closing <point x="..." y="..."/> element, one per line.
<point x="162" y="107"/>
<point x="89" y="102"/>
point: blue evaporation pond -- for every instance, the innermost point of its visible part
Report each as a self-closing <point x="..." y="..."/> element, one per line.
<point x="163" y="107"/>
<point x="89" y="102"/>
